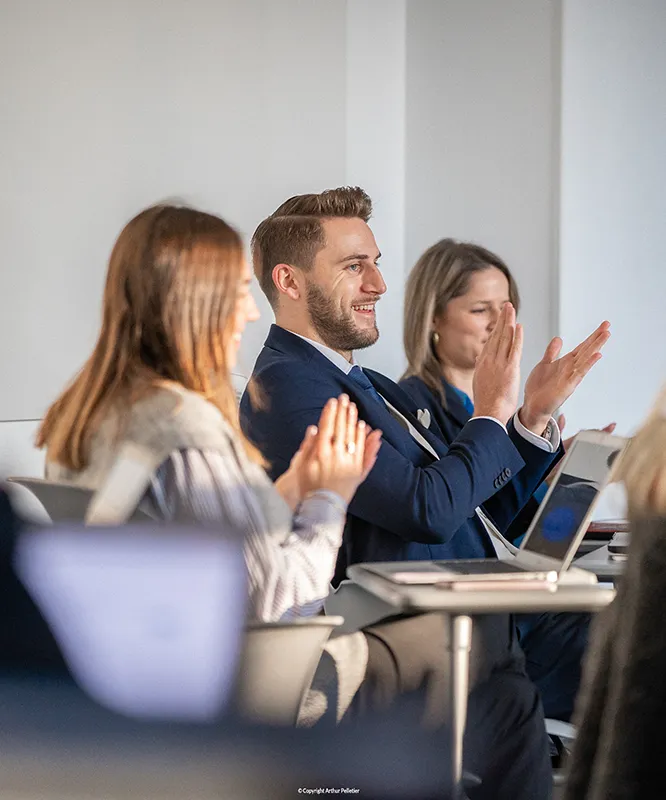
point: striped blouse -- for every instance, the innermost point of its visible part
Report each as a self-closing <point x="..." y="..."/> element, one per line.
<point x="290" y="557"/>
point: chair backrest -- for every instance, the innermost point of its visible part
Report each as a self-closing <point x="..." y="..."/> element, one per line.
<point x="65" y="502"/>
<point x="277" y="666"/>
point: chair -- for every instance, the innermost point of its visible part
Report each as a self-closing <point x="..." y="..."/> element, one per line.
<point x="277" y="666"/>
<point x="279" y="659"/>
<point x="65" y="502"/>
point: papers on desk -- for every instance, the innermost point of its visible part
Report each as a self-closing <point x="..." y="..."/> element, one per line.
<point x="150" y="622"/>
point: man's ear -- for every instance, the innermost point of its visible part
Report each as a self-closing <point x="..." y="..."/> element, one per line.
<point x="286" y="279"/>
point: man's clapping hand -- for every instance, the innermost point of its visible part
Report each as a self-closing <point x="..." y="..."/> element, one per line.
<point x="554" y="379"/>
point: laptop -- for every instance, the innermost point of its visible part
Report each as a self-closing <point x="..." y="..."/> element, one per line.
<point x="552" y="538"/>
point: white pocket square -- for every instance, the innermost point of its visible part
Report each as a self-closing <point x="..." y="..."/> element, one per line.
<point x="423" y="416"/>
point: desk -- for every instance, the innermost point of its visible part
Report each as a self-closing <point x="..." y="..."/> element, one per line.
<point x="600" y="562"/>
<point x="461" y="605"/>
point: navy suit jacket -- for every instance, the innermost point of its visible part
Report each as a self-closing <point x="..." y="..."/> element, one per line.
<point x="411" y="506"/>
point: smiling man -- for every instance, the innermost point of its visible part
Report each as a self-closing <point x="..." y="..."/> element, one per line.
<point x="317" y="262"/>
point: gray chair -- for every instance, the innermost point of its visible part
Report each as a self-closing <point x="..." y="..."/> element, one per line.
<point x="277" y="666"/>
<point x="65" y="502"/>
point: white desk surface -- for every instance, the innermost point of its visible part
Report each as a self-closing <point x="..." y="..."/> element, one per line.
<point x="591" y="597"/>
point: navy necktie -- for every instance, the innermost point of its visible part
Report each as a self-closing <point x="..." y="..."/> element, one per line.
<point x="359" y="377"/>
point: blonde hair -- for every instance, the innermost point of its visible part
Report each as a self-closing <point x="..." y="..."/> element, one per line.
<point x="441" y="274"/>
<point x="642" y="467"/>
<point x="170" y="297"/>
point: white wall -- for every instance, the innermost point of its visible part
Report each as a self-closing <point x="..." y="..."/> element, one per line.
<point x="376" y="40"/>
<point x="117" y="105"/>
<point x="482" y="92"/>
<point x="107" y="107"/>
<point x="446" y="111"/>
<point x="232" y="106"/>
<point x="613" y="203"/>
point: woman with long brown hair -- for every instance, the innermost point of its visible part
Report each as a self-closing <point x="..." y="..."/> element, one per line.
<point x="157" y="391"/>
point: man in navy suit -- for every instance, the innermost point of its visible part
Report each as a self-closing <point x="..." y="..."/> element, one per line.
<point x="317" y="262"/>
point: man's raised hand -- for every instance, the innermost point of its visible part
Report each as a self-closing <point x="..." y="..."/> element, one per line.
<point x="554" y="379"/>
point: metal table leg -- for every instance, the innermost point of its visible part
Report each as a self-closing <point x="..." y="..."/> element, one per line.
<point x="461" y="645"/>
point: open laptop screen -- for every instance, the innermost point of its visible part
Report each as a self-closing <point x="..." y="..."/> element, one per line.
<point x="568" y="501"/>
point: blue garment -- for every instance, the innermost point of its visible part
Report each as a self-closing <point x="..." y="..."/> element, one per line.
<point x="465" y="399"/>
<point x="411" y="506"/>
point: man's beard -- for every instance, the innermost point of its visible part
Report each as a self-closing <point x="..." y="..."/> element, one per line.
<point x="336" y="330"/>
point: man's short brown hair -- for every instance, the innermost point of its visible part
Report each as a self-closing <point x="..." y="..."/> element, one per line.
<point x="293" y="234"/>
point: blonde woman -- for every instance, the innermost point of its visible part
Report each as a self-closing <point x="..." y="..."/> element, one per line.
<point x="454" y="297"/>
<point x="621" y="709"/>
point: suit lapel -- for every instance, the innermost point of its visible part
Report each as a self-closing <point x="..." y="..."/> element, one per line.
<point x="401" y="401"/>
<point x="284" y="341"/>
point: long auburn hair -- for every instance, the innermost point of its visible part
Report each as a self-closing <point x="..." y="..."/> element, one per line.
<point x="440" y="275"/>
<point x="168" y="307"/>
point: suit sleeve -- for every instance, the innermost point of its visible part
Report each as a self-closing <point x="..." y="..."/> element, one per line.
<point x="504" y="506"/>
<point x="420" y="504"/>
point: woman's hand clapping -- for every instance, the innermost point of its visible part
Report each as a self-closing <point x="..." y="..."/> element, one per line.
<point x="336" y="455"/>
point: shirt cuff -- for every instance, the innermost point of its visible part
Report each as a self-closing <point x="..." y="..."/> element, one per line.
<point x="501" y="424"/>
<point x="329" y="504"/>
<point x="550" y="441"/>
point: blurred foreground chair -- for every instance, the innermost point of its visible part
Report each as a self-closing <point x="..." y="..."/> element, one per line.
<point x="278" y="663"/>
<point x="65" y="502"/>
<point x="279" y="659"/>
